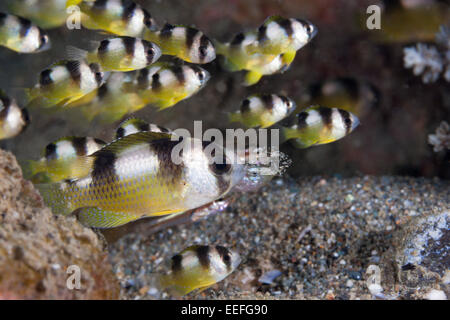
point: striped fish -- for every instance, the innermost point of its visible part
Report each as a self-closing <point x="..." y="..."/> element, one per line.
<point x="144" y="174"/>
<point x="21" y="35"/>
<point x="198" y="267"/>
<point x="13" y="119"/>
<point x="350" y="94"/>
<point x="134" y="125"/>
<point x="65" y="82"/>
<point x="186" y="43"/>
<point x="164" y="84"/>
<point x="319" y="125"/>
<point x="45" y="13"/>
<point x="119" y="54"/>
<point x="124" y="18"/>
<point x="263" y="110"/>
<point x="61" y="159"/>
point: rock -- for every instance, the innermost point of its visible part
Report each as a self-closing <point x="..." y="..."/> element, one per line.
<point x="37" y="247"/>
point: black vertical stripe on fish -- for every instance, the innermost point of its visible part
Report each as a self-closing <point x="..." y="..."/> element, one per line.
<point x="102" y="91"/>
<point x="326" y="114"/>
<point x="103" y="48"/>
<point x="103" y="164"/>
<point x="163" y="150"/>
<point x="203" y="48"/>
<point x="245" y="106"/>
<point x="120" y="133"/>
<point x="301" y="120"/>
<point x="203" y="256"/>
<point x="177" y="263"/>
<point x="166" y="31"/>
<point x="156" y="84"/>
<point x="74" y="69"/>
<point x="99" y="142"/>
<point x="129" y="11"/>
<point x="95" y="68"/>
<point x="284" y="99"/>
<point x="45" y="78"/>
<point x="129" y="44"/>
<point x="26" y="118"/>
<point x="225" y="255"/>
<point x="25" y="26"/>
<point x="262" y="33"/>
<point x="80" y="145"/>
<point x="147" y="19"/>
<point x="100" y="4"/>
<point x="144" y="127"/>
<point x="50" y="151"/>
<point x="345" y="115"/>
<point x="179" y="73"/>
<point x="287" y="26"/>
<point x="142" y="79"/>
<point x="237" y="40"/>
<point x="190" y="35"/>
<point x="267" y="101"/>
<point x="2" y="18"/>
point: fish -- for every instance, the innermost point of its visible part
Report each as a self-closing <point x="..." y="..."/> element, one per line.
<point x="264" y="54"/>
<point x="350" y="94"/>
<point x="318" y="125"/>
<point x="61" y="159"/>
<point x="47" y="14"/>
<point x="134" y="125"/>
<point x="21" y="35"/>
<point x="119" y="54"/>
<point x="186" y="43"/>
<point x="263" y="110"/>
<point x="165" y="84"/>
<point x="123" y="18"/>
<point x="65" y="82"/>
<point x="13" y="119"/>
<point x="279" y="35"/>
<point x="111" y="101"/>
<point x="197" y="268"/>
<point x="145" y="174"/>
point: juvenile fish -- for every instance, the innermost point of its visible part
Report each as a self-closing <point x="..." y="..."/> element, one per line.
<point x="124" y="18"/>
<point x="135" y="125"/>
<point x="61" y="158"/>
<point x="65" y="82"/>
<point x="21" y="35"/>
<point x="45" y="13"/>
<point x="263" y="110"/>
<point x="186" y="43"/>
<point x="164" y="85"/>
<point x="144" y="174"/>
<point x="319" y="125"/>
<point x="13" y="119"/>
<point x="198" y="267"/>
<point x="119" y="54"/>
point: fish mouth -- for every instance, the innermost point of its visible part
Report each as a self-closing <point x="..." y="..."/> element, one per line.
<point x="355" y="123"/>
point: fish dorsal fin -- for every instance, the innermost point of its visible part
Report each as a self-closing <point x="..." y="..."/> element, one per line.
<point x="134" y="139"/>
<point x="273" y="18"/>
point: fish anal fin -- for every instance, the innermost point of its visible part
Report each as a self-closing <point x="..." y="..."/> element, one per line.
<point x="98" y="218"/>
<point x="252" y="77"/>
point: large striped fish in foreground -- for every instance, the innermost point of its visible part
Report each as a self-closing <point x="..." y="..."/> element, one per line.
<point x="124" y="18"/>
<point x="319" y="125"/>
<point x="145" y="174"/>
<point x="45" y="13"/>
<point x="62" y="158"/>
<point x="13" y="119"/>
<point x="198" y="267"/>
<point x="119" y="54"/>
<point x="21" y="35"/>
<point x="65" y="82"/>
<point x="186" y="43"/>
<point x="164" y="84"/>
<point x="135" y="125"/>
<point x="263" y="110"/>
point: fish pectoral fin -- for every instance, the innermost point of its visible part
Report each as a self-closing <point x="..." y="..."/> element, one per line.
<point x="252" y="77"/>
<point x="98" y="218"/>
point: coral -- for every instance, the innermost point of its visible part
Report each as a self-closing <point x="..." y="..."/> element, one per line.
<point x="441" y="139"/>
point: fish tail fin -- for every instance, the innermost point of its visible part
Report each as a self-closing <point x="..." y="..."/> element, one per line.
<point x="252" y="77"/>
<point x="31" y="167"/>
<point x="220" y="47"/>
<point x="74" y="53"/>
<point x="234" y="117"/>
<point x="165" y="282"/>
<point x="54" y="197"/>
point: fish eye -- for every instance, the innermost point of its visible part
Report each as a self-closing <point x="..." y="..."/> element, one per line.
<point x="348" y="121"/>
<point x="220" y="168"/>
<point x="226" y="258"/>
<point x="309" y="29"/>
<point x="200" y="75"/>
<point x="203" y="51"/>
<point x="44" y="39"/>
<point x="151" y="51"/>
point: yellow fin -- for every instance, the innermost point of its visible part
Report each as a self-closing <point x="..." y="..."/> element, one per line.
<point x="98" y="218"/>
<point x="234" y="117"/>
<point x="252" y="77"/>
<point x="288" y="57"/>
